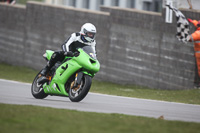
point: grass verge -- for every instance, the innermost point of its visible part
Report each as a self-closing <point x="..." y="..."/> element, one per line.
<point x="191" y="96"/>
<point x="34" y="119"/>
<point x="25" y="1"/>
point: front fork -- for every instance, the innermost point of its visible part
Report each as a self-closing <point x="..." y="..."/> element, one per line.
<point x="78" y="77"/>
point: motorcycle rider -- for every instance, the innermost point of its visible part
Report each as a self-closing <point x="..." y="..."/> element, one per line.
<point x="195" y="37"/>
<point x="77" y="40"/>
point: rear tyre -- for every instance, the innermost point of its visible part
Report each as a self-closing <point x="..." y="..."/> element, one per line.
<point x="37" y="90"/>
<point x="76" y="94"/>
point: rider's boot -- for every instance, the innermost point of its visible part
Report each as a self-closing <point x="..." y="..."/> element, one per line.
<point x="49" y="65"/>
<point x="43" y="77"/>
<point x="45" y="71"/>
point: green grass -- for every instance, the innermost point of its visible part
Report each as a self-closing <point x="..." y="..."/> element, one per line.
<point x="34" y="119"/>
<point x="25" y="1"/>
<point x="18" y="73"/>
<point x="191" y="96"/>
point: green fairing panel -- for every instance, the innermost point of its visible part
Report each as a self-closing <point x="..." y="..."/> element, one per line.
<point x="49" y="54"/>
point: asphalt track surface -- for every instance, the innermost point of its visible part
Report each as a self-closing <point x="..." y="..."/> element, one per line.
<point x="12" y="92"/>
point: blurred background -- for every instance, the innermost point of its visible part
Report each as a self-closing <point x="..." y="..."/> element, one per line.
<point x="135" y="45"/>
<point x="148" y="5"/>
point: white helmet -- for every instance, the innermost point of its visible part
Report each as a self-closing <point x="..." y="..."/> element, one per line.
<point x="88" y="32"/>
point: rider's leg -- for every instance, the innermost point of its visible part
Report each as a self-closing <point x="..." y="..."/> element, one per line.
<point x="57" y="56"/>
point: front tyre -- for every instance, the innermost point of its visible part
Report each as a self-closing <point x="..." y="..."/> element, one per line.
<point x="79" y="92"/>
<point x="37" y="90"/>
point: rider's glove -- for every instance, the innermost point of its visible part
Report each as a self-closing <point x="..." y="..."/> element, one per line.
<point x="70" y="54"/>
<point x="76" y="53"/>
<point x="189" y="20"/>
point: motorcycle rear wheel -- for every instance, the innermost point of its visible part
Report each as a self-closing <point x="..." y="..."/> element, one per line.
<point x="37" y="90"/>
<point x="78" y="93"/>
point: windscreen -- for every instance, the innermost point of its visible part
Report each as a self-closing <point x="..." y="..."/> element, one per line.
<point x="89" y="50"/>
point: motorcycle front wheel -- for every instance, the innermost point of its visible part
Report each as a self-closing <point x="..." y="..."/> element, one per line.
<point x="37" y="90"/>
<point x="79" y="92"/>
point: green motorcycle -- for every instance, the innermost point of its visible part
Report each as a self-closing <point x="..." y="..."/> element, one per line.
<point x="71" y="78"/>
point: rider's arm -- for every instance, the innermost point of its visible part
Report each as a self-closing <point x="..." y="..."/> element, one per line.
<point x="71" y="39"/>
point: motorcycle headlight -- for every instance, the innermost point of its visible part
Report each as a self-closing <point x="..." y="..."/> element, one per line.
<point x="92" y="55"/>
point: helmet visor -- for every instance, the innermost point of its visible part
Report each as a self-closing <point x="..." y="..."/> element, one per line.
<point x="89" y="34"/>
